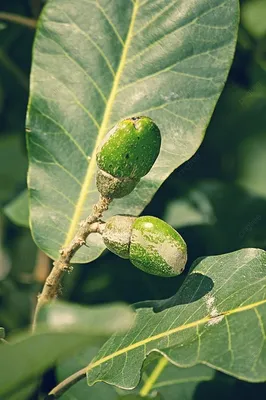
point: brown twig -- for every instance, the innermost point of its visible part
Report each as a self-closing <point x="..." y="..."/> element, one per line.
<point x="89" y="225"/>
<point x="19" y="19"/>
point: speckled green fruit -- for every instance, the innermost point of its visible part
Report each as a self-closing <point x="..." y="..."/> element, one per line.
<point x="150" y="243"/>
<point x="117" y="234"/>
<point x="156" y="248"/>
<point x="130" y="149"/>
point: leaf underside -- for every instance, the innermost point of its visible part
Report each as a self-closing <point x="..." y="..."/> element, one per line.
<point x="97" y="62"/>
<point x="217" y="318"/>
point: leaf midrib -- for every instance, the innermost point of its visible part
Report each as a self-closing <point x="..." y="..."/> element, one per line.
<point x="91" y="168"/>
<point x="171" y="332"/>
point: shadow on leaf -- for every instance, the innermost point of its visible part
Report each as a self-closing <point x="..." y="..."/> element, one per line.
<point x="194" y="288"/>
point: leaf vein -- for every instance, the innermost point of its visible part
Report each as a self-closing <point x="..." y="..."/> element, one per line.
<point x="73" y="95"/>
<point x="180" y="116"/>
<point x="110" y="23"/>
<point x="87" y="36"/>
<point x="155" y="17"/>
<point x="64" y="130"/>
<point x="52" y="209"/>
<point x="79" y="65"/>
<point x="229" y="342"/>
<point x="177" y="329"/>
<point x="55" y="162"/>
<point x="170" y="33"/>
<point x="102" y="130"/>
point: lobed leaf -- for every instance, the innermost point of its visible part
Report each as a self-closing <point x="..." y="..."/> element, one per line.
<point x="217" y="318"/>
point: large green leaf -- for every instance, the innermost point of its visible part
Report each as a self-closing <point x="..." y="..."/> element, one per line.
<point x="96" y="62"/>
<point x="217" y="318"/>
<point x="66" y="329"/>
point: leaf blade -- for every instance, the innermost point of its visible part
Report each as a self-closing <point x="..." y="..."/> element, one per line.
<point x="100" y="82"/>
<point x="201" y="331"/>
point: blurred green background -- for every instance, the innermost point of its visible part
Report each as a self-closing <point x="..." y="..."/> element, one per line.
<point x="217" y="200"/>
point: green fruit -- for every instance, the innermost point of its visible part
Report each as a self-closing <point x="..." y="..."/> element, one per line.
<point x="157" y="248"/>
<point x="150" y="243"/>
<point x="130" y="148"/>
<point x="127" y="153"/>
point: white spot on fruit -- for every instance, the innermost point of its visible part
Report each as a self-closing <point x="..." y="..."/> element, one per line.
<point x="173" y="255"/>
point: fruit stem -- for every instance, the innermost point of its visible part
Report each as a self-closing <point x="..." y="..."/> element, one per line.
<point x="63" y="386"/>
<point x="91" y="224"/>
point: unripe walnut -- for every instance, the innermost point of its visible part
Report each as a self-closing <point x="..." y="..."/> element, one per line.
<point x="127" y="153"/>
<point x="150" y="243"/>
